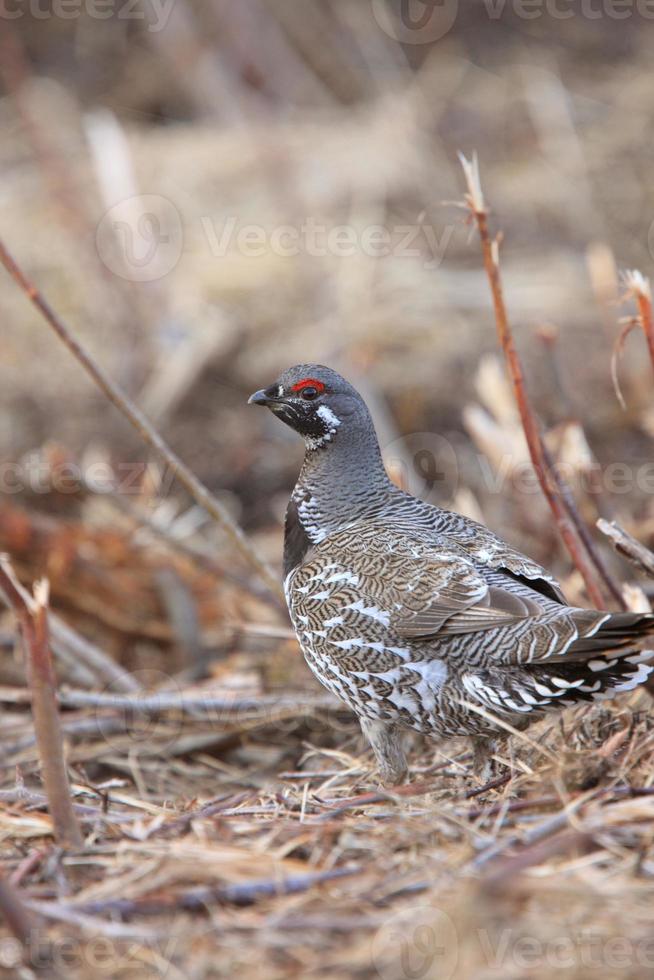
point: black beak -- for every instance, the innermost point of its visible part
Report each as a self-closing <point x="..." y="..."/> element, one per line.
<point x="258" y="398"/>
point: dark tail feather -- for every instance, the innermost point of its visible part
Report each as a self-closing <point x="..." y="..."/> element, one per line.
<point x="596" y="678"/>
<point x="618" y="631"/>
<point x="612" y="660"/>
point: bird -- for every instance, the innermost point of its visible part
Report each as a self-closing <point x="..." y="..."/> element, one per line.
<point x="418" y="617"/>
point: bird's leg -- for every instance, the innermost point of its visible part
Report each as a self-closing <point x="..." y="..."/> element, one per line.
<point x="386" y="743"/>
<point x="484" y="766"/>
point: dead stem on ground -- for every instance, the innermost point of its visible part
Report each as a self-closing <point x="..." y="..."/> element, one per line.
<point x="32" y="615"/>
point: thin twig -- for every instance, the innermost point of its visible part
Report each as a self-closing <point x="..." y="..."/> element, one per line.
<point x="639" y="288"/>
<point x="143" y="426"/>
<point x="197" y="899"/>
<point x="616" y="354"/>
<point x="200" y="552"/>
<point x="17" y="917"/>
<point x="105" y="668"/>
<point x="84" y="811"/>
<point x="91" y="925"/>
<point x="625" y="545"/>
<point x="550" y="826"/>
<point x="160" y="701"/>
<point x="506" y="874"/>
<point x="33" y="619"/>
<point x="560" y="500"/>
<point x="582" y="528"/>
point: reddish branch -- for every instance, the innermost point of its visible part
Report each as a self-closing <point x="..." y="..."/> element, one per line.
<point x="558" y="495"/>
<point x="32" y="615"/>
<point x="642" y="293"/>
<point x="640" y="289"/>
<point x="143" y="426"/>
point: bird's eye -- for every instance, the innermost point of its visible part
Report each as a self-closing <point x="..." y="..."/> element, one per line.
<point x="308" y="388"/>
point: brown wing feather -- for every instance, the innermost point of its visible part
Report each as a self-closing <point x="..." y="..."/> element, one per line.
<point x="453" y="610"/>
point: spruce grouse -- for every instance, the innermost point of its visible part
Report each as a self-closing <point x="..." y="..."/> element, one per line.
<point x="418" y="617"/>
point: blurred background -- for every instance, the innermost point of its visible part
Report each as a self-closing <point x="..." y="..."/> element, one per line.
<point x="208" y="192"/>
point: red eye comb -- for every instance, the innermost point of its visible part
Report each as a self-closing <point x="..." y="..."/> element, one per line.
<point x="309" y="383"/>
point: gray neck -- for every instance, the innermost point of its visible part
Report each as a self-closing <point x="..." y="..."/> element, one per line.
<point x="342" y="480"/>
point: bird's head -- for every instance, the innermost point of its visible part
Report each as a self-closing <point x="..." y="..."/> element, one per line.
<point x="313" y="400"/>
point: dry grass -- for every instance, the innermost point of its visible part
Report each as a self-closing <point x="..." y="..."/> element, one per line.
<point x="201" y="861"/>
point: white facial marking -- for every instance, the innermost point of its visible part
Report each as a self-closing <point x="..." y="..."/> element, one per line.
<point x="328" y="416"/>
<point x="331" y="421"/>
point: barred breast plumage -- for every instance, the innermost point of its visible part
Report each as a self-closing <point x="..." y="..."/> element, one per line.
<point x="417" y="617"/>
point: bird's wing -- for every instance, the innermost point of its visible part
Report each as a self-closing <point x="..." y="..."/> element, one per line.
<point x="444" y="594"/>
<point x="418" y="588"/>
<point x="488" y="550"/>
